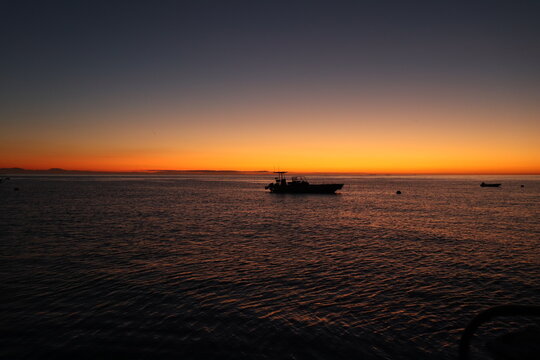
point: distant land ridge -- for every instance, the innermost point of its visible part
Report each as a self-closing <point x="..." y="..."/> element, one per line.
<point x="60" y="171"/>
<point x="17" y="170"/>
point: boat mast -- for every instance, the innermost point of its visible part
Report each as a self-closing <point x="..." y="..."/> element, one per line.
<point x="281" y="177"/>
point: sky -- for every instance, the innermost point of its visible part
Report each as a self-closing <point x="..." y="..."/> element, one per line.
<point x="330" y="86"/>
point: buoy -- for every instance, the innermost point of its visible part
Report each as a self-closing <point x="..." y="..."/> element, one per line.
<point x="398" y="192"/>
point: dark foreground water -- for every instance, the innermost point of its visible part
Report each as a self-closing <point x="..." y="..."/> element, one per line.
<point x="199" y="267"/>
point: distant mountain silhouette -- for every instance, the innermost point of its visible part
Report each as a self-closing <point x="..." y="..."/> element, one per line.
<point x="224" y="172"/>
<point x="17" y="170"/>
<point x="12" y="169"/>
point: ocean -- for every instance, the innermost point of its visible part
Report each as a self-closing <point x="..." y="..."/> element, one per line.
<point x="215" y="267"/>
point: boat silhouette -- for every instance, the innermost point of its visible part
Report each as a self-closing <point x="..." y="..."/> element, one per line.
<point x="299" y="185"/>
<point x="483" y="184"/>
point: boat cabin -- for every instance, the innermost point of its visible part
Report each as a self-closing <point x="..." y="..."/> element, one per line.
<point x="295" y="180"/>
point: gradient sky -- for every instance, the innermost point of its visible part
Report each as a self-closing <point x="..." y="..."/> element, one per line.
<point x="366" y="86"/>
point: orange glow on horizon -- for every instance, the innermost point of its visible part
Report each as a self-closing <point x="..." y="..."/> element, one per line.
<point x="355" y="137"/>
<point x="383" y="163"/>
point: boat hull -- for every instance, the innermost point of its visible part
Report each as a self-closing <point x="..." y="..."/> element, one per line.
<point x="305" y="189"/>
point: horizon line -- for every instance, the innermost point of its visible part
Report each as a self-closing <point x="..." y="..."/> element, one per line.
<point x="18" y="170"/>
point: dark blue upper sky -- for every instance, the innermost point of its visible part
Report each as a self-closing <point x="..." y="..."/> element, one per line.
<point x="58" y="51"/>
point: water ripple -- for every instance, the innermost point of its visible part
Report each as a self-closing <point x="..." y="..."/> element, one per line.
<point x="171" y="267"/>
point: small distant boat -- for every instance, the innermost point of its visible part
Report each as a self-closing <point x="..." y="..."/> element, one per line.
<point x="483" y="184"/>
<point x="299" y="185"/>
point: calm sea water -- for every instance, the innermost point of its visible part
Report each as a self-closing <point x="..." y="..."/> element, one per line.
<point x="195" y="267"/>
